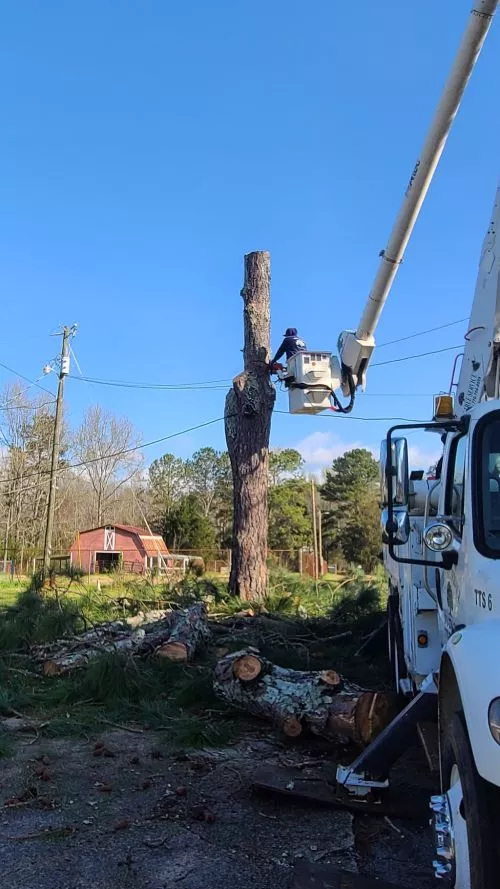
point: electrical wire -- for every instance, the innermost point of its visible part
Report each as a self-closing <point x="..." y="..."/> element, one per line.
<point x="26" y="379"/>
<point x="216" y="384"/>
<point x="26" y="407"/>
<point x="334" y="414"/>
<point x="126" y="384"/>
<point x="412" y="336"/>
<point x="213" y="384"/>
<point x="121" y="453"/>
<point x="147" y="444"/>
<point x="418" y="355"/>
<point x="397" y="395"/>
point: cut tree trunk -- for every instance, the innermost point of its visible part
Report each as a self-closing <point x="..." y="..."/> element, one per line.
<point x="247" y="415"/>
<point x="294" y="700"/>
<point x="65" y="662"/>
<point x="188" y="633"/>
<point x="185" y="629"/>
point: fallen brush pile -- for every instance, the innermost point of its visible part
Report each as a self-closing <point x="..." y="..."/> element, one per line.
<point x="322" y="702"/>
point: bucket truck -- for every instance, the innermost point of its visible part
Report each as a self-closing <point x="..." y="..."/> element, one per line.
<point x="441" y="537"/>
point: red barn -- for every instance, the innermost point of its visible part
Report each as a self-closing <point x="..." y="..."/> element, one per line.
<point x="112" y="546"/>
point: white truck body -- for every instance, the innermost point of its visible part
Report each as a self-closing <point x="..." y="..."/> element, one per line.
<point x="442" y="542"/>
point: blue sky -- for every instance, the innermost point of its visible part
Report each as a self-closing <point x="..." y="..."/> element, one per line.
<point x="148" y="145"/>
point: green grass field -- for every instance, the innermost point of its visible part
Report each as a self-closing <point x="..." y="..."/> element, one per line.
<point x="116" y="586"/>
<point x="10" y="589"/>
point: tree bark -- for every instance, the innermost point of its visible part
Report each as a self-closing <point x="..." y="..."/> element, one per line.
<point x="248" y="410"/>
<point x="322" y="702"/>
<point x="65" y="661"/>
<point x="189" y="631"/>
<point x="184" y="629"/>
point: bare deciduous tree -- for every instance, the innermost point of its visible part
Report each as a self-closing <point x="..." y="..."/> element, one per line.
<point x="204" y="472"/>
<point x="103" y="444"/>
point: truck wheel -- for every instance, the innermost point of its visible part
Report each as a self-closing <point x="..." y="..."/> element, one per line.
<point x="395" y="641"/>
<point x="465" y="849"/>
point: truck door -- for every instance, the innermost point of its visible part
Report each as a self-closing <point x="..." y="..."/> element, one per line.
<point x="450" y="584"/>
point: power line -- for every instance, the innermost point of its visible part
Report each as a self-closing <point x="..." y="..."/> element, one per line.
<point x="26" y="407"/>
<point x="121" y="453"/>
<point x="216" y="384"/>
<point x="134" y="448"/>
<point x="398" y="395"/>
<point x="412" y="336"/>
<point x="127" y="384"/>
<point x="26" y="379"/>
<point x="213" y="384"/>
<point x="419" y="355"/>
<point x="333" y="415"/>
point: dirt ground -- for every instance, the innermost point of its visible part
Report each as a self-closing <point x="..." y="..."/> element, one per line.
<point x="129" y="814"/>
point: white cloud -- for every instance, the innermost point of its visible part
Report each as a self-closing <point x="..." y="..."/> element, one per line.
<point x="421" y="458"/>
<point x="320" y="448"/>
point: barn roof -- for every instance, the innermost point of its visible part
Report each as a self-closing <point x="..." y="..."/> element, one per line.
<point x="132" y="528"/>
<point x="153" y="544"/>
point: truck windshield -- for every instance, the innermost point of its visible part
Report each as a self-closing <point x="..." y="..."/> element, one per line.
<point x="489" y="485"/>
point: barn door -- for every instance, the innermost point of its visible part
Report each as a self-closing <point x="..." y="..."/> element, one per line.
<point x="109" y="539"/>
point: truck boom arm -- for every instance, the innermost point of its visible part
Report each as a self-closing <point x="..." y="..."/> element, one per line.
<point x="356" y="348"/>
<point x="479" y="376"/>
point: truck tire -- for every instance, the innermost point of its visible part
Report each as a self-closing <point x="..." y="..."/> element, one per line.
<point x="395" y="640"/>
<point x="473" y="863"/>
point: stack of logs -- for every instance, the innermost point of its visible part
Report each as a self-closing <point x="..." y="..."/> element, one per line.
<point x="321" y="702"/>
<point x="175" y="635"/>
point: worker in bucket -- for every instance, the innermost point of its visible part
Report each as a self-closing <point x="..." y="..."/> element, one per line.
<point x="291" y="344"/>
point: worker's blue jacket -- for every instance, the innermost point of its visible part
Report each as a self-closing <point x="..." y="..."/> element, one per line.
<point x="290" y="346"/>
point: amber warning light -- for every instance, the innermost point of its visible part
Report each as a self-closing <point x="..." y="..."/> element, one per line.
<point x="443" y="407"/>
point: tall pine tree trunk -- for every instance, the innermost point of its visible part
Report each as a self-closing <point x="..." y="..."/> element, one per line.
<point x="249" y="406"/>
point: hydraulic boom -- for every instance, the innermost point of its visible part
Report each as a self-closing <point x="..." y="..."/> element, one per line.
<point x="480" y="371"/>
<point x="356" y="347"/>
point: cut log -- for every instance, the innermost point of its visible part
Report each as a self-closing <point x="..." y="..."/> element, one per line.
<point x="18" y="724"/>
<point x="68" y="661"/>
<point x="188" y="632"/>
<point x="65" y="655"/>
<point x="294" y="700"/>
<point x="247" y="667"/>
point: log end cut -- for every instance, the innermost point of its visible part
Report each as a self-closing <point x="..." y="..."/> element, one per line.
<point x="173" y="651"/>
<point x="50" y="668"/>
<point x="330" y="677"/>
<point x="247" y="667"/>
<point x="374" y="711"/>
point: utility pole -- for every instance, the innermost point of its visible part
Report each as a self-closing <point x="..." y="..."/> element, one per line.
<point x="315" y="535"/>
<point x="320" y="542"/>
<point x="7" y="532"/>
<point x="56" y="443"/>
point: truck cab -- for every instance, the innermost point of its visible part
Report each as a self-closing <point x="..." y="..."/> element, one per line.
<point x="442" y="556"/>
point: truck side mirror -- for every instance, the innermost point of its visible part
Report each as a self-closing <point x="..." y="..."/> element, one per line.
<point x="395" y="463"/>
<point x="400" y="527"/>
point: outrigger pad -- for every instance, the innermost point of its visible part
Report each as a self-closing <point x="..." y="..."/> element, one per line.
<point x="323" y="876"/>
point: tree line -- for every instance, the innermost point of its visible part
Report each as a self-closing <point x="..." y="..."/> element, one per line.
<point x="103" y="480"/>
